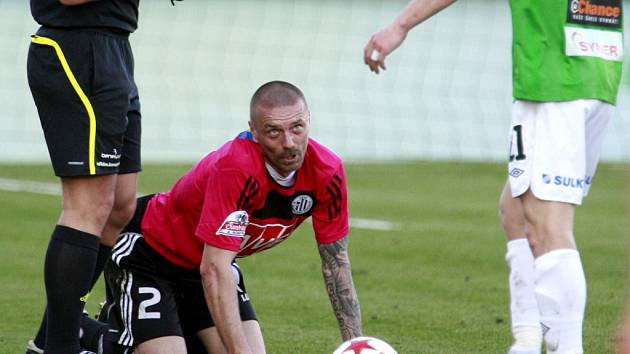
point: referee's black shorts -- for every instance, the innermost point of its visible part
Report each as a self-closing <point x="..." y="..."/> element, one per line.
<point x="83" y="86"/>
<point x="150" y="297"/>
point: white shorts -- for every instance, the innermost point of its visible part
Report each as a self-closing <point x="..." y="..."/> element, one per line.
<point x="555" y="147"/>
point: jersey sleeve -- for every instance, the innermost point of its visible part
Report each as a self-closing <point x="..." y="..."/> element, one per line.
<point x="224" y="217"/>
<point x="330" y="217"/>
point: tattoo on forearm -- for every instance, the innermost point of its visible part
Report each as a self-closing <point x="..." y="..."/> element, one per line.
<point x="340" y="288"/>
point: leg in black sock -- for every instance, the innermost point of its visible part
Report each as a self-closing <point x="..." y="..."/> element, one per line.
<point x="68" y="273"/>
<point x="104" y="252"/>
<point x="93" y="334"/>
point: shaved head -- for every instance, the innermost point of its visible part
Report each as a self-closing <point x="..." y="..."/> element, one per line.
<point x="279" y="121"/>
<point x="274" y="94"/>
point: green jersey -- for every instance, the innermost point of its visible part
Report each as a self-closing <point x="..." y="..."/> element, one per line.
<point x="566" y="49"/>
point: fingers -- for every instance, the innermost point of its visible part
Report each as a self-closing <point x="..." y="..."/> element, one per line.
<point x="373" y="57"/>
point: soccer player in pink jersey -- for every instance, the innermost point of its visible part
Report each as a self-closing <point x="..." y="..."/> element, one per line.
<point x="174" y="264"/>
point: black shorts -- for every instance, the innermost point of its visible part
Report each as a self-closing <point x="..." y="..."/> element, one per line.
<point x="149" y="297"/>
<point x="83" y="86"/>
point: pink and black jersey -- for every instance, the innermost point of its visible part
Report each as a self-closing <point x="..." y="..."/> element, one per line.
<point x="228" y="200"/>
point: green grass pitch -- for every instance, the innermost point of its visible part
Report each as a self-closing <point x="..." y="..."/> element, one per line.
<point x="436" y="284"/>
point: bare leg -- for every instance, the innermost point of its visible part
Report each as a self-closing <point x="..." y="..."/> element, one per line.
<point x="560" y="282"/>
<point x="524" y="315"/>
<point x="78" y="201"/>
<point x="212" y="341"/>
<point x="162" y="345"/>
<point x="123" y="208"/>
<point x="72" y="254"/>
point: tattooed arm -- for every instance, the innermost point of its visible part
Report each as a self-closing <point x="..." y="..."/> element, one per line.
<point x="340" y="288"/>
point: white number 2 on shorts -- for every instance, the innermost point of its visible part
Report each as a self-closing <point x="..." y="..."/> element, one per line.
<point x="154" y="299"/>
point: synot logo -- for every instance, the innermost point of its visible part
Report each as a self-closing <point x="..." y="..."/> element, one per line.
<point x="585" y="42"/>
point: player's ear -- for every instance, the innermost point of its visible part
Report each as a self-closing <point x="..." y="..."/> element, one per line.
<point x="253" y="131"/>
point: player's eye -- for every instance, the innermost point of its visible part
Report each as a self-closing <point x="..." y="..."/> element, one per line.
<point x="298" y="128"/>
<point x="273" y="133"/>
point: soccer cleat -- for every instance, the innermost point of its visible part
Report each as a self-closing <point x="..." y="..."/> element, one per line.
<point x="31" y="348"/>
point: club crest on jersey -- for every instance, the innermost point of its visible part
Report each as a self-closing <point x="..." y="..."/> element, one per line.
<point x="301" y="204"/>
<point x="235" y="224"/>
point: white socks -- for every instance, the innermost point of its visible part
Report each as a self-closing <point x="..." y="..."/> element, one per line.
<point x="561" y="296"/>
<point x="524" y="311"/>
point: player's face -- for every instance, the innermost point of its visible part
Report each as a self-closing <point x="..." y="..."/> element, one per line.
<point x="282" y="133"/>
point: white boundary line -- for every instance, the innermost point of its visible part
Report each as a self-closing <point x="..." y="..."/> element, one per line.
<point x="14" y="185"/>
<point x="373" y="224"/>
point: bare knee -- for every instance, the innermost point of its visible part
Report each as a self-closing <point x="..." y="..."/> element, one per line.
<point x="122" y="212"/>
<point x="87" y="203"/>
<point x="120" y="216"/>
<point x="550" y="222"/>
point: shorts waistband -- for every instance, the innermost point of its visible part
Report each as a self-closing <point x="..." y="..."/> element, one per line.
<point x="107" y="31"/>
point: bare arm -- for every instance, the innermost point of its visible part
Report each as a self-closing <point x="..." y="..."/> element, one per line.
<point x="340" y="288"/>
<point x="391" y="36"/>
<point x="219" y="289"/>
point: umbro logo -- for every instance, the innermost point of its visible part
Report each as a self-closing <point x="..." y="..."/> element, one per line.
<point x="545" y="328"/>
<point x="516" y="172"/>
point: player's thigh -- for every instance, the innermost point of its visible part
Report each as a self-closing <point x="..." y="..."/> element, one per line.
<point x="254" y="336"/>
<point x="196" y="318"/>
<point x="162" y="345"/>
<point x="548" y="150"/>
<point x="213" y="343"/>
<point x="144" y="291"/>
<point x="193" y="309"/>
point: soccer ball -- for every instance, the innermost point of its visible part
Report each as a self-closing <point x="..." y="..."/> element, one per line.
<point x="365" y="345"/>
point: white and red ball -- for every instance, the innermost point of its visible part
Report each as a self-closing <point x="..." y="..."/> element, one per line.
<point x="365" y="345"/>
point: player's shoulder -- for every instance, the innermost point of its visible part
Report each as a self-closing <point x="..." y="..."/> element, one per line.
<point x="322" y="158"/>
<point x="239" y="154"/>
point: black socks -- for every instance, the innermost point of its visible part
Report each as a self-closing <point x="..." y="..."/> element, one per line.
<point x="68" y="273"/>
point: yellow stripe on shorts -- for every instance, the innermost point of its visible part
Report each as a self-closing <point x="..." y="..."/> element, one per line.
<point x="79" y="91"/>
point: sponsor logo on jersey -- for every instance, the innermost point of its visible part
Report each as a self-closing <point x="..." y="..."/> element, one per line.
<point x="585" y="42"/>
<point x="606" y="13"/>
<point x="570" y="182"/>
<point x="235" y="224"/>
<point x="301" y="204"/>
<point x="263" y="236"/>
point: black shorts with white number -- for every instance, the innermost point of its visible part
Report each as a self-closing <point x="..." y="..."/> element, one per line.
<point x="150" y="297"/>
